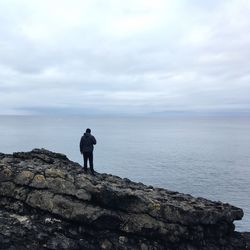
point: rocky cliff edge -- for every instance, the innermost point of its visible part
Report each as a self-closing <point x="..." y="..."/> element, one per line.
<point x="48" y="202"/>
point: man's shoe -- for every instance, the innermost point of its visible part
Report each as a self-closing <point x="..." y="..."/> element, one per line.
<point x="92" y="172"/>
<point x="85" y="170"/>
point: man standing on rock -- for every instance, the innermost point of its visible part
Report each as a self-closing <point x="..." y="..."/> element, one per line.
<point x="86" y="148"/>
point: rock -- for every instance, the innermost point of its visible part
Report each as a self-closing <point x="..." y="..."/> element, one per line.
<point x="246" y="235"/>
<point x="48" y="202"/>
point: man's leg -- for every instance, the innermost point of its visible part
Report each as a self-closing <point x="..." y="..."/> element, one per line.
<point x="85" y="159"/>
<point x="91" y="162"/>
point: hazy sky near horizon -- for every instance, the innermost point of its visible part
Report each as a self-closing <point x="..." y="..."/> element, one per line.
<point x="134" y="56"/>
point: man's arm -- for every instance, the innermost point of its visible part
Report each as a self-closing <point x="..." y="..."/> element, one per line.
<point x="94" y="140"/>
<point x="81" y="145"/>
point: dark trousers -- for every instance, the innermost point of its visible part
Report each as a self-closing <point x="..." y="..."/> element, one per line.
<point x="88" y="156"/>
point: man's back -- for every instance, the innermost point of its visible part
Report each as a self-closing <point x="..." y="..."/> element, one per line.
<point x="87" y="142"/>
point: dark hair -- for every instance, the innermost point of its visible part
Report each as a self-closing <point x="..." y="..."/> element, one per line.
<point x="88" y="130"/>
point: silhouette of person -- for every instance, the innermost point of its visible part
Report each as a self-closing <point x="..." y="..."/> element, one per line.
<point x="86" y="148"/>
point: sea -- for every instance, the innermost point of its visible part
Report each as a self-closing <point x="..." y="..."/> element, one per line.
<point x="203" y="156"/>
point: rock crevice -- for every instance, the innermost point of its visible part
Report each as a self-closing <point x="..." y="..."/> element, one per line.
<point x="48" y="202"/>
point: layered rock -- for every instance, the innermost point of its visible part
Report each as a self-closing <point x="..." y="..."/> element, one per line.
<point x="48" y="202"/>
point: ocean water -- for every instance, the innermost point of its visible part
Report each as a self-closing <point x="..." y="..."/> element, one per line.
<point x="206" y="157"/>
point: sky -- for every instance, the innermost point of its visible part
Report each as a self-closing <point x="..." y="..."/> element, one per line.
<point x="124" y="57"/>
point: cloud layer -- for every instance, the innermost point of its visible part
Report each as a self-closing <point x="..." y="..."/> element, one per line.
<point x="134" y="56"/>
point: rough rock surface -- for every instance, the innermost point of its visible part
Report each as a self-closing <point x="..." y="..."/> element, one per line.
<point x="246" y="235"/>
<point x="48" y="202"/>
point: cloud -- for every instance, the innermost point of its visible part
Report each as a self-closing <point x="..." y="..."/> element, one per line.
<point x="137" y="56"/>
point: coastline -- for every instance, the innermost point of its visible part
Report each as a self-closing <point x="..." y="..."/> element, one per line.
<point x="40" y="187"/>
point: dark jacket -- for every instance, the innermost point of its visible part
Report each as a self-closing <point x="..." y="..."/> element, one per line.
<point x="87" y="142"/>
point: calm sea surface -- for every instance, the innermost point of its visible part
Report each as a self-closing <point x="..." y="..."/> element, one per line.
<point x="208" y="157"/>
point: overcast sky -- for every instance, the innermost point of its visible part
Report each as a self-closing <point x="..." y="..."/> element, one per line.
<point x="116" y="56"/>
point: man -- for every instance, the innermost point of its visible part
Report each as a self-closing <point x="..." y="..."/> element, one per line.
<point x="86" y="148"/>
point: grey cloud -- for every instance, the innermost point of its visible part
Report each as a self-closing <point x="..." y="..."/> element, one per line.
<point x="129" y="57"/>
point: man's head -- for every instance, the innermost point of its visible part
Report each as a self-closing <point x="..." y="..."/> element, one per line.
<point x="88" y="130"/>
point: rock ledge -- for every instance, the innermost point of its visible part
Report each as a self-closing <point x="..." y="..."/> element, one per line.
<point x="47" y="202"/>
